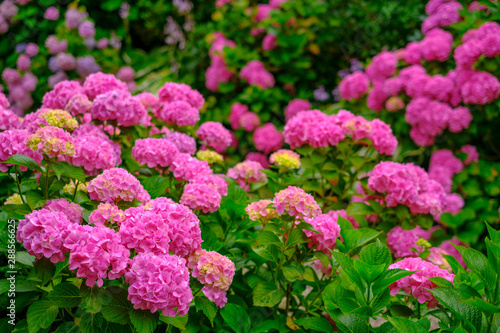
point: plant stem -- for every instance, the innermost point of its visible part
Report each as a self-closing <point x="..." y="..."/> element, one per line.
<point x="288" y="291"/>
<point x="418" y="309"/>
<point x="76" y="189"/>
<point x="19" y="183"/>
<point x="47" y="181"/>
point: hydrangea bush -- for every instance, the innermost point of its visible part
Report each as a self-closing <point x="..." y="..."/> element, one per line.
<point x="167" y="210"/>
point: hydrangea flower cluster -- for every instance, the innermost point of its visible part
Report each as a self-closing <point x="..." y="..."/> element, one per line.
<point x="154" y="152"/>
<point x="171" y="92"/>
<point x="443" y="166"/>
<point x="93" y="251"/>
<point x="296" y="202"/>
<point x="13" y="142"/>
<point x="185" y="167"/>
<point x="79" y="105"/>
<point x="58" y="118"/>
<point x="312" y="128"/>
<point x="450" y="249"/>
<point x="118" y="105"/>
<point x="72" y="210"/>
<point x="255" y="74"/>
<point x="183" y="225"/>
<point x="483" y="41"/>
<point x="214" y="135"/>
<point x="42" y="233"/>
<point x="100" y="83"/>
<point x="259" y="211"/>
<point x="218" y="72"/>
<point x="14" y="199"/>
<point x="408" y="185"/>
<point x="51" y="141"/>
<point x="329" y="231"/>
<point x="237" y="111"/>
<point x="8" y="120"/>
<point x="418" y="283"/>
<point x="295" y="106"/>
<point x="249" y="121"/>
<point x="436" y="256"/>
<point x="472" y="154"/>
<point x="247" y="173"/>
<point x="267" y="138"/>
<point x="211" y="157"/>
<point x="169" y="291"/>
<point x="258" y="157"/>
<point x="285" y="158"/>
<point x="404" y="243"/>
<point x="202" y="197"/>
<point x="180" y="113"/>
<point x="184" y="143"/>
<point x="354" y="86"/>
<point x="61" y="94"/>
<point x="106" y="214"/>
<point x="215" y="271"/>
<point x="71" y="187"/>
<point x="116" y="184"/>
<point x="93" y="154"/>
<point x="441" y="14"/>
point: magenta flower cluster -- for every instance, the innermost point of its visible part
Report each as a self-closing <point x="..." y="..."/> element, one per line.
<point x="116" y="184"/>
<point x="154" y="152"/>
<point x="329" y="231"/>
<point x="246" y="173"/>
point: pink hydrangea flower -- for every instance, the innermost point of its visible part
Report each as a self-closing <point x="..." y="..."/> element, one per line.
<point x="459" y="119"/>
<point x="201" y="197"/>
<point x="312" y="128"/>
<point x="259" y="158"/>
<point x="51" y="141"/>
<point x="171" y="92"/>
<point x="72" y="210"/>
<point x="183" y="225"/>
<point x="215" y="271"/>
<point x="93" y="251"/>
<point x="145" y="231"/>
<point x="394" y="103"/>
<point x="217" y="73"/>
<point x="454" y="203"/>
<point x="296" y="202"/>
<point x="184" y="143"/>
<point x="52" y="14"/>
<point x="147" y="99"/>
<point x="100" y="83"/>
<point x="383" y="140"/>
<point x="8" y="120"/>
<point x="418" y="283"/>
<point x="249" y="121"/>
<point x="267" y="138"/>
<point x="428" y="119"/>
<point x="166" y="277"/>
<point x="13" y="142"/>
<point x="154" y="152"/>
<point x="106" y="214"/>
<point x="180" y="113"/>
<point x="247" y="173"/>
<point x="259" y="211"/>
<point x="438" y="87"/>
<point x="42" y="233"/>
<point x="478" y="87"/>
<point x="437" y="45"/>
<point x="237" y="110"/>
<point x="23" y="62"/>
<point x="213" y="134"/>
<point x="255" y="74"/>
<point x="382" y="66"/>
<point x="354" y="86"/>
<point x="377" y="96"/>
<point x="334" y="214"/>
<point x="93" y="154"/>
<point x="78" y="104"/>
<point x="186" y="167"/>
<point x="403" y="243"/>
<point x="443" y="166"/>
<point x="444" y="15"/>
<point x="4" y="102"/>
<point x="116" y="184"/>
<point x="269" y="42"/>
<point x="392" y="86"/>
<point x="118" y="105"/>
<point x="472" y="154"/>
<point x="329" y="231"/>
<point x="413" y="53"/>
<point x="295" y="106"/>
<point x="285" y="158"/>
<point x="436" y="257"/>
<point x="60" y="95"/>
<point x="218" y="182"/>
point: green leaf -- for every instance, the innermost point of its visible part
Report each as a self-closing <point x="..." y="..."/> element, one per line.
<point x="359" y="208"/>
<point x="398" y="310"/>
<point x="25" y="258"/>
<point x="93" y="298"/>
<point x="369" y="272"/>
<point x="376" y="254"/>
<point x="297" y="236"/>
<point x="34" y="199"/>
<point x="352" y="323"/>
<point x="292" y="273"/>
<point x="116" y="308"/>
<point x="441" y="282"/>
<point x="405" y="325"/>
<point x="455" y="265"/>
<point x="236" y="317"/>
<point x="315" y="323"/>
<point x="41" y="314"/>
<point x="267" y="294"/>
<point x="479" y="264"/>
<point x="179" y="322"/>
<point x="111" y="5"/>
<point x="91" y="323"/>
<point x="68" y="170"/>
<point x="267" y="238"/>
<point x="209" y="309"/>
<point x="269" y="252"/>
<point x="358" y="237"/>
<point x="484" y="306"/>
<point x="266" y="326"/>
<point x="333" y="293"/>
<point x="391" y="276"/>
<point x="143" y="320"/>
<point x="23" y="160"/>
<point x="347" y="264"/>
<point x="494" y="234"/>
<point x="156" y="185"/>
<point x="68" y="327"/>
<point x="65" y="295"/>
